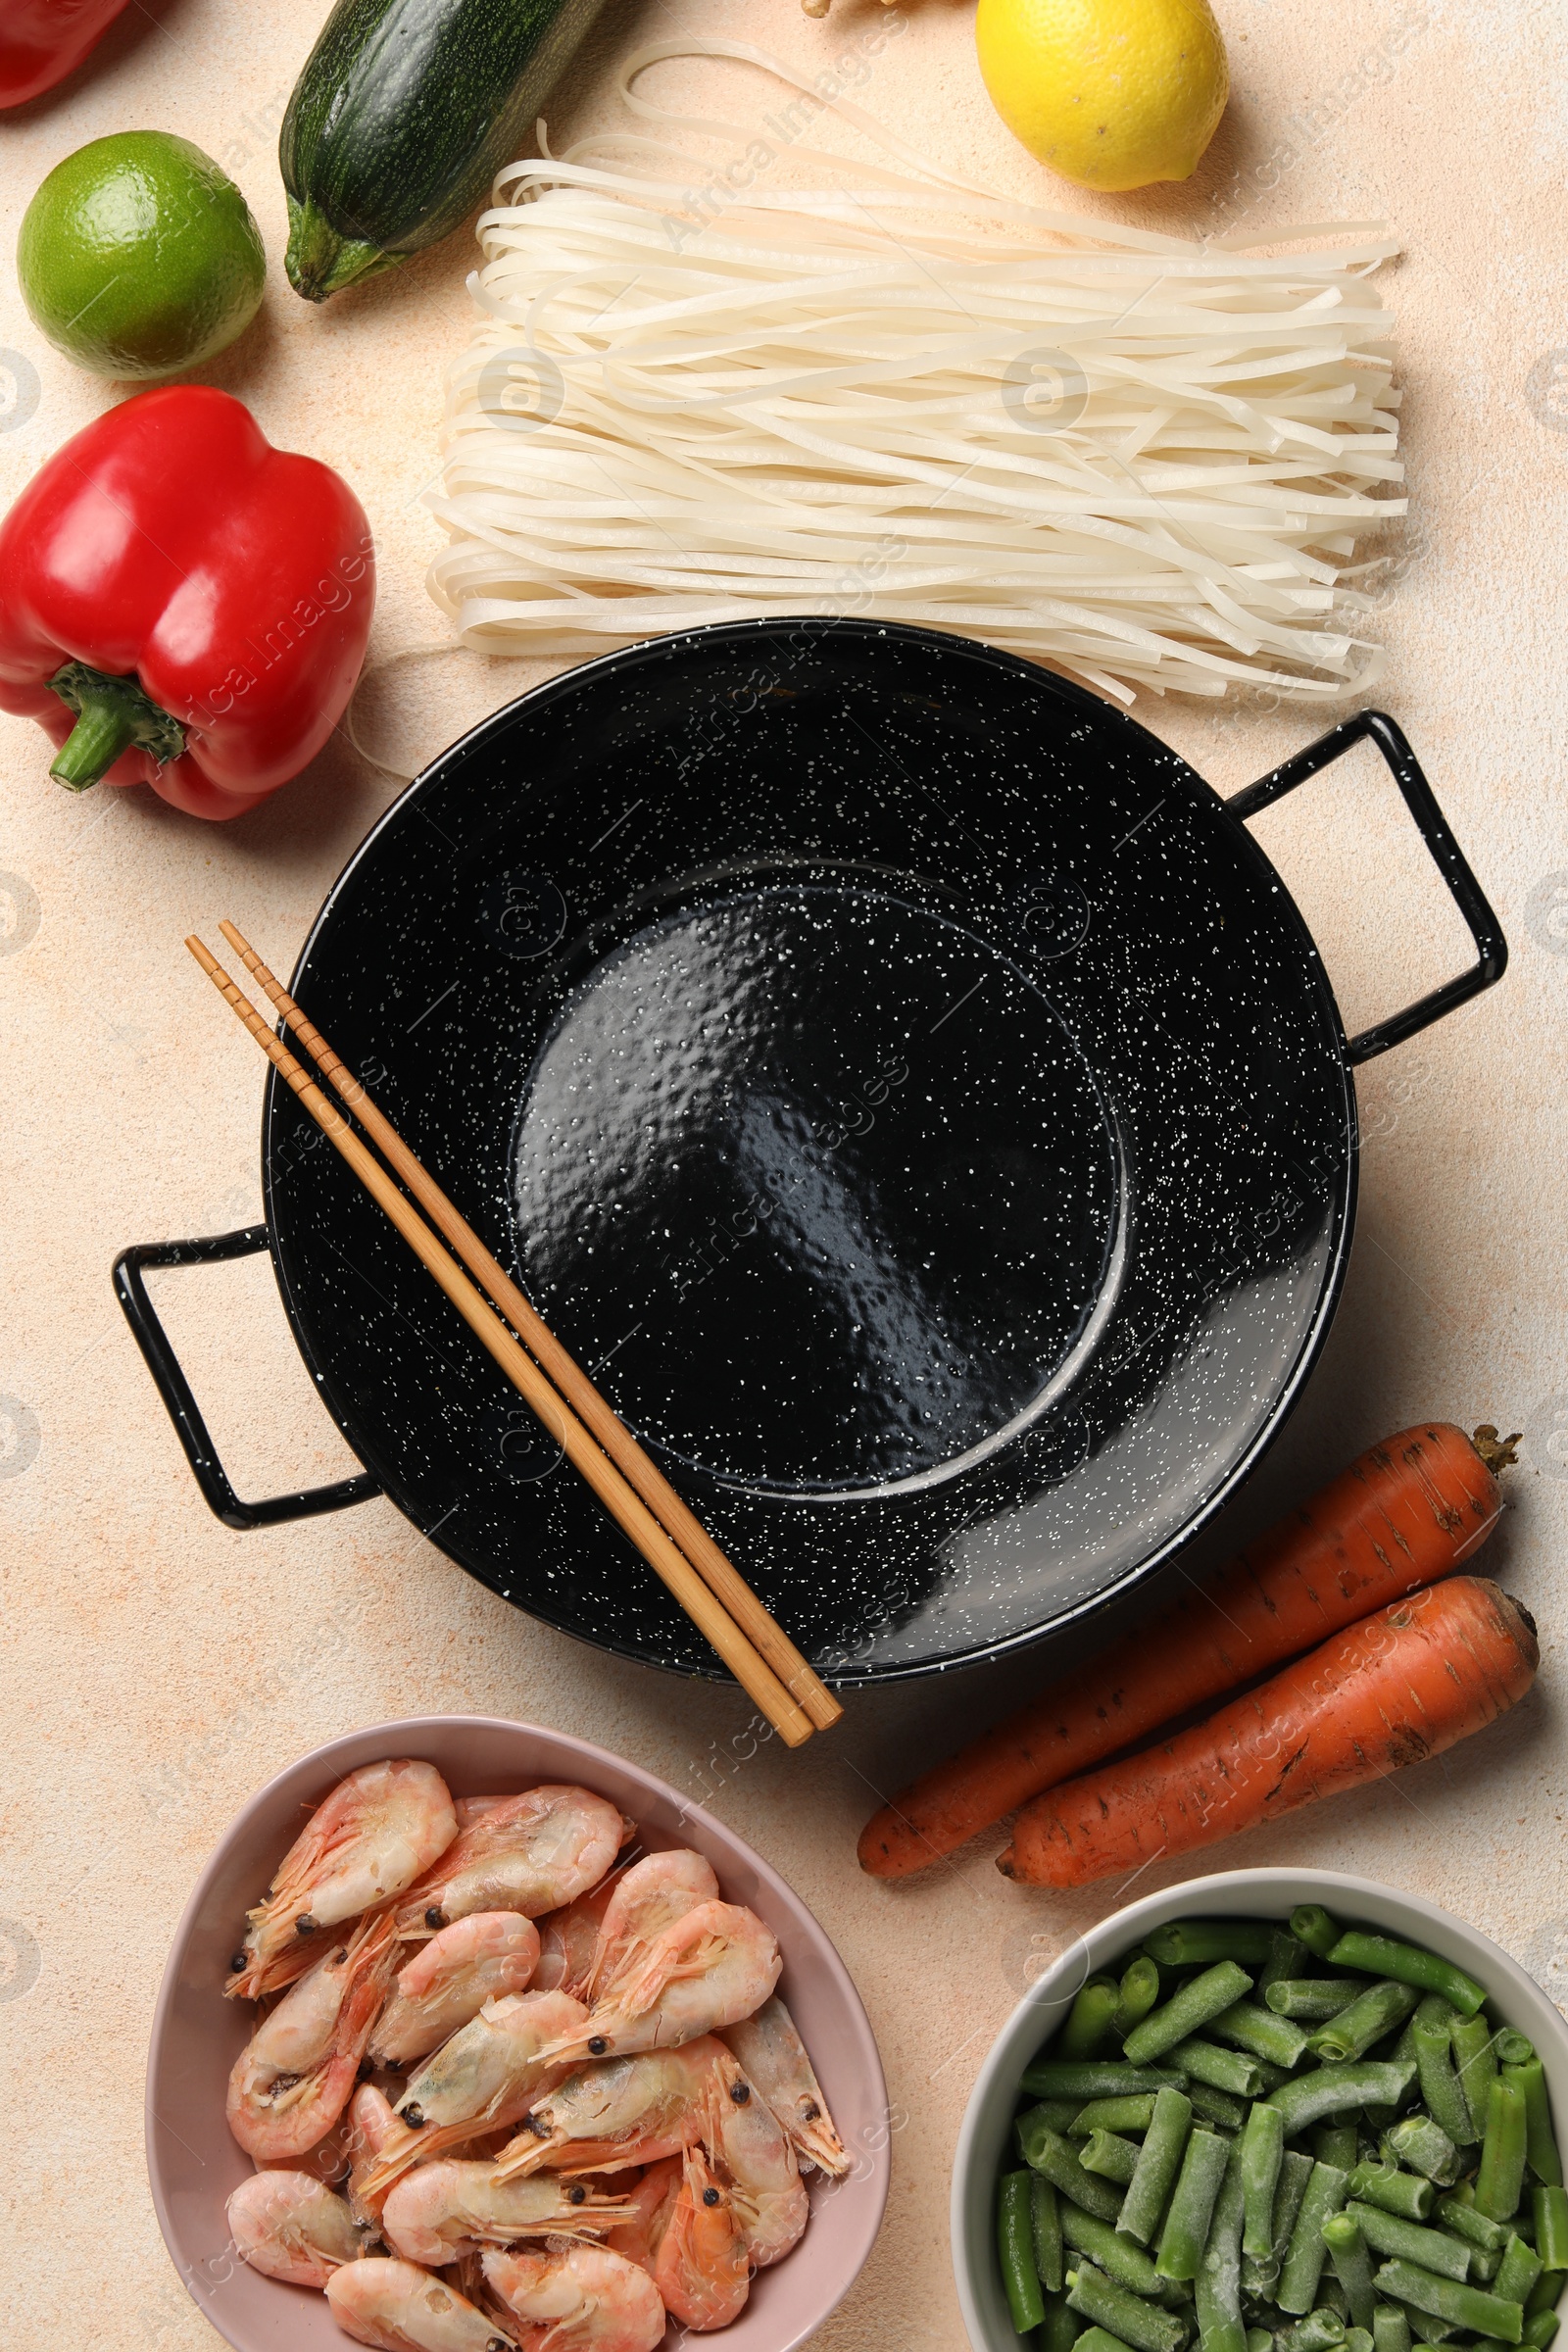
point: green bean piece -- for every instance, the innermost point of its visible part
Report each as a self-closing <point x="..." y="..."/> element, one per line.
<point x="1084" y="2079"/>
<point x="1114" y="2115"/>
<point x="1425" y="2147"/>
<point x="1217" y="2287"/>
<point x="1322" y="2330"/>
<point x="1337" y="2143"/>
<point x="1230" y="2070"/>
<point x="1370" y="2015"/>
<point x="1432" y="2028"/>
<point x="1434" y="2249"/>
<point x="1476" y="2057"/>
<point x="1390" y="2329"/>
<point x="1259" y="2339"/>
<point x="1260" y="2272"/>
<point x="1113" y="2254"/>
<point x="1191" y="2210"/>
<point x="1312" y="1925"/>
<point x="1336" y="2089"/>
<point x="1544" y="2295"/>
<point x="1199" y="1942"/>
<point x="1262" y="2146"/>
<point x="1484" y="2267"/>
<point x="1045" y="2229"/>
<point x="1471" y="2308"/>
<point x="1458" y="2212"/>
<point x="1016" y="2252"/>
<point x="1379" y="2182"/>
<point x="1087" y="2032"/>
<point x="1539" y="2330"/>
<point x="1212" y="2106"/>
<point x="1160" y="2161"/>
<point x="1260" y="2032"/>
<point x="1514" y="2049"/>
<point x="1304" y="2256"/>
<point x="1359" y="2339"/>
<point x="1541" y="2141"/>
<point x="1429" y="2327"/>
<point x="1062" y="2327"/>
<point x="1407" y="1963"/>
<point x="1353" y="2264"/>
<point x="1500" y="2175"/>
<point x="1051" y="2155"/>
<point x="1101" y="2339"/>
<point x="1549" y="2212"/>
<point x="1139" y="1991"/>
<point x="1516" y="2275"/>
<point x="1052" y="2115"/>
<point x="1109" y="2156"/>
<point x="1313" y="1998"/>
<point x="1146" y="2326"/>
<point x="1287" y="1958"/>
<point x="1037" y="2124"/>
<point x="1188" y="2009"/>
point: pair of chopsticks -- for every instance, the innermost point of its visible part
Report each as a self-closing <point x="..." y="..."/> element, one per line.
<point x="709" y="1587"/>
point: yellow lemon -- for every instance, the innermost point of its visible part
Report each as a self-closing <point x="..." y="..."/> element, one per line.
<point x="1110" y="93"/>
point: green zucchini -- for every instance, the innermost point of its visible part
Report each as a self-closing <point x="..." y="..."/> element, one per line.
<point x="403" y="114"/>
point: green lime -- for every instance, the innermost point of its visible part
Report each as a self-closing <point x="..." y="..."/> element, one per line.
<point x="138" y="256"/>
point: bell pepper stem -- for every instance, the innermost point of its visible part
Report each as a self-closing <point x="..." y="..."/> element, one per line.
<point x="111" y="714"/>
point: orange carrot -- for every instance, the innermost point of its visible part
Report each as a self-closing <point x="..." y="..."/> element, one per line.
<point x="1409" y="1511"/>
<point x="1404" y="1683"/>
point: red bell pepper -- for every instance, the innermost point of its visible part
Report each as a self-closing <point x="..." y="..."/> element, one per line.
<point x="183" y="605"/>
<point x="42" y="40"/>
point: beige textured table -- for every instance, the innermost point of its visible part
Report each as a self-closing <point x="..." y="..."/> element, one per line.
<point x="158" y="1667"/>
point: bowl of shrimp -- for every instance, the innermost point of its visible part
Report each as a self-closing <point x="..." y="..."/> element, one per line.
<point x="474" y="2037"/>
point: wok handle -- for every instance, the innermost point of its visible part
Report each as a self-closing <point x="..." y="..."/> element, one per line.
<point x="175" y="1390"/>
<point x="1491" y="949"/>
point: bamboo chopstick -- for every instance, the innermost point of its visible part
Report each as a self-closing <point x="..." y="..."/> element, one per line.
<point x="756" y="1677"/>
<point x="716" y="1571"/>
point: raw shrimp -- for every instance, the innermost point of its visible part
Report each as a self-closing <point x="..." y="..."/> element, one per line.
<point x="774" y="2057"/>
<point x="295" y="2075"/>
<point x="531" y="1854"/>
<point x="701" y="2268"/>
<point x="648" y="1898"/>
<point x="402" y="2308"/>
<point x="568" y="1941"/>
<point x="581" y="2300"/>
<point x="371" y="2124"/>
<point x="441" y="2211"/>
<point x="747" y="2142"/>
<point x="450" y="1978"/>
<point x="368" y="1842"/>
<point x="485" y="2078"/>
<point x="648" y="2208"/>
<point x="716" y="1965"/>
<point x="627" y="2111"/>
<point x="287" y="2225"/>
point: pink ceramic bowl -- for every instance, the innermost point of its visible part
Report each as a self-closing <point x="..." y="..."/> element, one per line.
<point x="193" y="2164"/>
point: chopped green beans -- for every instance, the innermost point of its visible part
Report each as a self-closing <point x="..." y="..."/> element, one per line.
<point x="1101" y="2339"/>
<point x="1083" y="2078"/>
<point x="1286" y="1958"/>
<point x="1114" y="2115"/>
<point x="1112" y="2253"/>
<point x="1049" y="2153"/>
<point x="1550" y="2207"/>
<point x="1262" y="2146"/>
<point x="1425" y="2147"/>
<point x="1431" y="2031"/>
<point x="1192" y="2205"/>
<point x="1407" y="1963"/>
<point x="1217" y="2289"/>
<point x="1458" y="2214"/>
<point x="1471" y="2308"/>
<point x="1088" y="2021"/>
<point x="1359" y="2339"/>
<point x="1336" y="2089"/>
<point x="1313" y="1998"/>
<point x="1312" y="1925"/>
<point x="1390" y="2329"/>
<point x="1045" y="2229"/>
<point x="1377" y="2182"/>
<point x="1015" y="2251"/>
<point x="1352" y="2266"/>
<point x="1212" y="2106"/>
<point x="1476" y="2056"/>
<point x="1260" y="2273"/>
<point x="1147" y="2327"/>
<point x="1501" y="2178"/>
<point x="1262" y="2032"/>
<point x="1541" y="2330"/>
<point x="1434" y="2249"/>
<point x="1159" y="2163"/>
<point x="1199" y="1942"/>
<point x="1139" y="1991"/>
<point x="1322" y="2330"/>
<point x="1198" y="2000"/>
<point x="1063" y="2328"/>
<point x="1521" y="2266"/>
<point x="1051" y="2115"/>
<point x="1541" y="2141"/>
<point x="1222" y="2070"/>
<point x="1259" y="2339"/>
<point x="1370" y="2015"/>
<point x="1110" y="2157"/>
<point x="1514" y="2049"/>
<point x="1337" y="2143"/>
<point x="1546" y="2293"/>
<point x="1303" y="2265"/>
